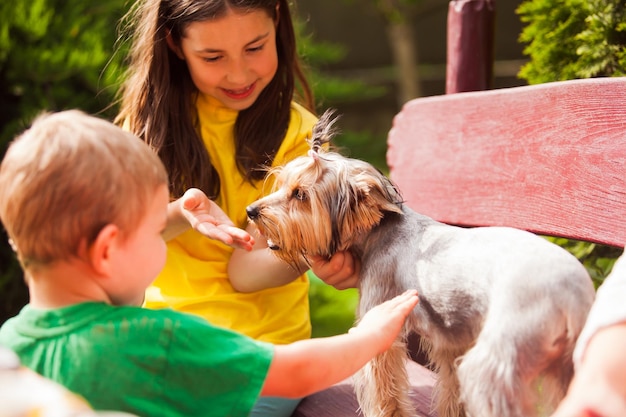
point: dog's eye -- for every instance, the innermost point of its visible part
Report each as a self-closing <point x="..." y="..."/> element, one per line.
<point x="299" y="194"/>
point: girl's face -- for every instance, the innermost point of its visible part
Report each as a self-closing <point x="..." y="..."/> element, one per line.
<point x="232" y="58"/>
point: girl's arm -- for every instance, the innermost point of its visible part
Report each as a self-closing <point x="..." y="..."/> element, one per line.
<point x="308" y="366"/>
<point x="259" y="269"/>
<point x="195" y="210"/>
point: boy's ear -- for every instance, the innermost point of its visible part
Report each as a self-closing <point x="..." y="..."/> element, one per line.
<point x="172" y="45"/>
<point x="101" y="249"/>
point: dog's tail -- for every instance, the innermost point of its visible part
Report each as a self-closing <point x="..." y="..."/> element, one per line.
<point x="323" y="131"/>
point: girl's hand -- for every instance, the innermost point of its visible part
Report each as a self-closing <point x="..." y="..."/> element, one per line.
<point x="208" y="218"/>
<point x="341" y="271"/>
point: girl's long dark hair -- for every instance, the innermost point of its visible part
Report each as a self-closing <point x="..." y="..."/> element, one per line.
<point x="157" y="96"/>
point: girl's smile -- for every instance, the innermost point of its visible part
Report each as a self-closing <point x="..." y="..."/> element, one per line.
<point x="240" y="94"/>
<point x="232" y="58"/>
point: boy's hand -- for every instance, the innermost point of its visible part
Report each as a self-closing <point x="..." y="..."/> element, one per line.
<point x="208" y="218"/>
<point x="386" y="319"/>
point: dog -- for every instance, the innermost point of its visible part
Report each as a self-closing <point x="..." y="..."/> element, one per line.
<point x="500" y="308"/>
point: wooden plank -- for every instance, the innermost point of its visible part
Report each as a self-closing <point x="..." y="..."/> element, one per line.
<point x="548" y="158"/>
<point x="340" y="400"/>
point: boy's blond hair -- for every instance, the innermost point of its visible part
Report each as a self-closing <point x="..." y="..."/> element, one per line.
<point x="68" y="176"/>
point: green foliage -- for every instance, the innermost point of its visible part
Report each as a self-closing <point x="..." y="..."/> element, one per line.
<point x="337" y="90"/>
<point x="332" y="310"/>
<point x="54" y="55"/>
<point x="330" y="90"/>
<point x="568" y="39"/>
<point x="364" y="145"/>
<point x="597" y="259"/>
<point x="602" y="50"/>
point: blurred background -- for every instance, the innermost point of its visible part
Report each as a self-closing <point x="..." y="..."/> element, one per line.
<point x="365" y="59"/>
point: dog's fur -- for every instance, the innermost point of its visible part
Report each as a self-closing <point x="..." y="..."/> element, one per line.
<point x="500" y="308"/>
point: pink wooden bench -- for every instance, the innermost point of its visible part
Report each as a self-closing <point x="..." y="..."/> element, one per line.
<point x="549" y="158"/>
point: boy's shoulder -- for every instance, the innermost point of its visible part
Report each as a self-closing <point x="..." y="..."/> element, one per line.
<point x="92" y="328"/>
<point x="33" y="322"/>
<point x="100" y="324"/>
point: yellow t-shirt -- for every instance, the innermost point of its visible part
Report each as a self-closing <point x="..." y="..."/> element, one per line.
<point x="195" y="279"/>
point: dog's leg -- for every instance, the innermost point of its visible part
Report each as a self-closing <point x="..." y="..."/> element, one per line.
<point x="382" y="385"/>
<point x="492" y="383"/>
<point x="502" y="374"/>
<point x="555" y="381"/>
<point x="447" y="402"/>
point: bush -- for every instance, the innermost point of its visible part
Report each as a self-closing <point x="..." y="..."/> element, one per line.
<point x="569" y="39"/>
<point x="54" y="55"/>
<point x="332" y="310"/>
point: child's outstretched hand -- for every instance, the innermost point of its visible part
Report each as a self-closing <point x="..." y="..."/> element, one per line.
<point x="306" y="366"/>
<point x="386" y="319"/>
<point x="208" y="218"/>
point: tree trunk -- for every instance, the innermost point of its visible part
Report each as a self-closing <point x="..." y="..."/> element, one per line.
<point x="404" y="52"/>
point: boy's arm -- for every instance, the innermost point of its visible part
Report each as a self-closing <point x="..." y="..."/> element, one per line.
<point x="308" y="366"/>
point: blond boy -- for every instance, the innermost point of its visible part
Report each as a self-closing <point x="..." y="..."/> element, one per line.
<point x="84" y="204"/>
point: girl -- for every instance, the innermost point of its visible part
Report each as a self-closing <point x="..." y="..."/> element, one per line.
<point x="210" y="87"/>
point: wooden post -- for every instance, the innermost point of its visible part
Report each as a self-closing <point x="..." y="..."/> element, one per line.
<point x="470" y="30"/>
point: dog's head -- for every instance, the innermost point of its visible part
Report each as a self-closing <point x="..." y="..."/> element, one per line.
<point x="322" y="203"/>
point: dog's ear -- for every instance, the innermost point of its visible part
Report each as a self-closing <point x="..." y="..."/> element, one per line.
<point x="357" y="209"/>
<point x="377" y="190"/>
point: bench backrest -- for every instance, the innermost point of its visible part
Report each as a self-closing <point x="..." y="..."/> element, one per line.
<point x="548" y="158"/>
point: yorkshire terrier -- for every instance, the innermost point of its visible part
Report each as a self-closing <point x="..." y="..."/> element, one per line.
<point x="500" y="308"/>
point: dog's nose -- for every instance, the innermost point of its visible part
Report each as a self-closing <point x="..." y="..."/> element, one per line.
<point x="252" y="211"/>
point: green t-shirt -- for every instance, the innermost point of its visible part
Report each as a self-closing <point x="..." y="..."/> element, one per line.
<point x="146" y="362"/>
